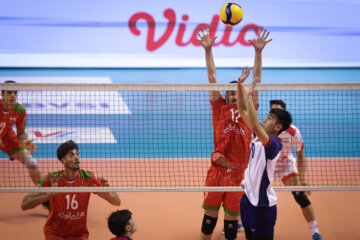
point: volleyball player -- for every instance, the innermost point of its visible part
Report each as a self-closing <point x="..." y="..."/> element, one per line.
<point x="16" y="145"/>
<point x="122" y="225"/>
<point x="258" y="205"/>
<point x="292" y="170"/>
<point x="232" y="138"/>
<point x="68" y="211"/>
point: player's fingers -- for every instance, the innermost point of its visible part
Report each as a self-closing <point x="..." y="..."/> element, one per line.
<point x="214" y="39"/>
<point x="264" y="32"/>
<point x="267" y="35"/>
<point x="202" y="30"/>
<point x="268" y="41"/>
<point x="259" y="32"/>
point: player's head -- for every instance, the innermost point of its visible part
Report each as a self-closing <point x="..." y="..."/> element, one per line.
<point x="277" y="121"/>
<point x="277" y="104"/>
<point x="121" y="223"/>
<point x="9" y="96"/>
<point x="68" y="154"/>
<point x="230" y="96"/>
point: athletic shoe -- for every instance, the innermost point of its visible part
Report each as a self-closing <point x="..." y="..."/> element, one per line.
<point x="238" y="229"/>
<point x="317" y="236"/>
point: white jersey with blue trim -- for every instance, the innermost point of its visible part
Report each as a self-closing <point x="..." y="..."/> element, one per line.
<point x="260" y="172"/>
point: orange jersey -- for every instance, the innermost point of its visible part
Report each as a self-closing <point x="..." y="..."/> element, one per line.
<point x="232" y="137"/>
<point x="68" y="211"/>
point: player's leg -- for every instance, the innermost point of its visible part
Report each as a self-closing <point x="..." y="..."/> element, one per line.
<point x="13" y="148"/>
<point x="232" y="214"/>
<point x="25" y="157"/>
<point x="293" y="179"/>
<point x="211" y="204"/>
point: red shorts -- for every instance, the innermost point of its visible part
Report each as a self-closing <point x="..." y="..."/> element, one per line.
<point x="219" y="176"/>
<point x="10" y="143"/>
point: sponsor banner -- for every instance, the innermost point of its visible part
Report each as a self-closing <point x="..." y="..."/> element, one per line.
<point x="70" y="102"/>
<point x="63" y="134"/>
<point x="116" y="33"/>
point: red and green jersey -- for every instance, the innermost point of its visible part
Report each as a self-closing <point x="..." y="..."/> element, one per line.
<point x="16" y="115"/>
<point x="68" y="211"/>
<point x="232" y="137"/>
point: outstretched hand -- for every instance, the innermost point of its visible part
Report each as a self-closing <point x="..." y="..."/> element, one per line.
<point x="261" y="42"/>
<point x="104" y="182"/>
<point x="205" y="39"/>
<point x="29" y="145"/>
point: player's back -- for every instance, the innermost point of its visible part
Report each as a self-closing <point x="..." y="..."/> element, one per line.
<point x="289" y="138"/>
<point x="232" y="136"/>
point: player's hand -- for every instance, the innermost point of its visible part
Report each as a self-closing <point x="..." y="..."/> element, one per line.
<point x="205" y="39"/>
<point x="54" y="182"/>
<point x="260" y="43"/>
<point x="244" y="75"/>
<point x="29" y="145"/>
<point x="104" y="182"/>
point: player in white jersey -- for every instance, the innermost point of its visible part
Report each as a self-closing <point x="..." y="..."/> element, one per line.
<point x="292" y="170"/>
<point x="258" y="204"/>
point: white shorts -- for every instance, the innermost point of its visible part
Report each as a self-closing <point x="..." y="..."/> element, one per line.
<point x="286" y="168"/>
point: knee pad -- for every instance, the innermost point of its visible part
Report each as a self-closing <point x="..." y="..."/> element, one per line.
<point x="230" y="229"/>
<point x="31" y="164"/>
<point x="208" y="224"/>
<point x="301" y="199"/>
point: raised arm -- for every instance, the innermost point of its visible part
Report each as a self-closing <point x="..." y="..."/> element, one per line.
<point x="259" y="45"/>
<point x="111" y="197"/>
<point x="207" y="44"/>
<point x="247" y="110"/>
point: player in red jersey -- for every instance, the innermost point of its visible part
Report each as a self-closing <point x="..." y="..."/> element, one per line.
<point x="291" y="170"/>
<point x="17" y="146"/>
<point x="68" y="211"/>
<point x="232" y="138"/>
<point x="122" y="225"/>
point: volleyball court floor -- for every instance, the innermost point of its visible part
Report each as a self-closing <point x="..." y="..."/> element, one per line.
<point x="178" y="215"/>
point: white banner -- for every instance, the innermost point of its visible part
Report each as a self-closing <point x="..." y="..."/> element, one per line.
<point x="115" y="33"/>
<point x="70" y="102"/>
<point x="77" y="134"/>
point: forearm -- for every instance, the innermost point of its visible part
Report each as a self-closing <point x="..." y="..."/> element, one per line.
<point x="35" y="199"/>
<point x="111" y="197"/>
<point x="210" y="66"/>
<point x="301" y="164"/>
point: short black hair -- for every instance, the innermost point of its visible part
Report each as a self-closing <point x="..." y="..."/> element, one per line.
<point x="118" y="221"/>
<point x="65" y="147"/>
<point x="233" y="81"/>
<point x="283" y="117"/>
<point x="279" y="102"/>
<point x="7" y="81"/>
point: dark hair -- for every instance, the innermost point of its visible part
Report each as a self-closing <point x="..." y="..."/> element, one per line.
<point x="279" y="102"/>
<point x="283" y="117"/>
<point x="65" y="147"/>
<point x="118" y="221"/>
<point x="7" y="81"/>
<point x="233" y="81"/>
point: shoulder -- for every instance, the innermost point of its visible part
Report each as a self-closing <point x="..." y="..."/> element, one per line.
<point x="292" y="130"/>
<point x="219" y="102"/>
<point x="19" y="108"/>
<point x="86" y="174"/>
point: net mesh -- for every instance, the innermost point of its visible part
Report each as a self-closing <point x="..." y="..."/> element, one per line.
<point x="159" y="137"/>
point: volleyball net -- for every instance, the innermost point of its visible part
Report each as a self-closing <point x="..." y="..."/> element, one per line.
<point x="159" y="137"/>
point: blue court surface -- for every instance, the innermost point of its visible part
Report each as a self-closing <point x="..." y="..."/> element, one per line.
<point x="178" y="124"/>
